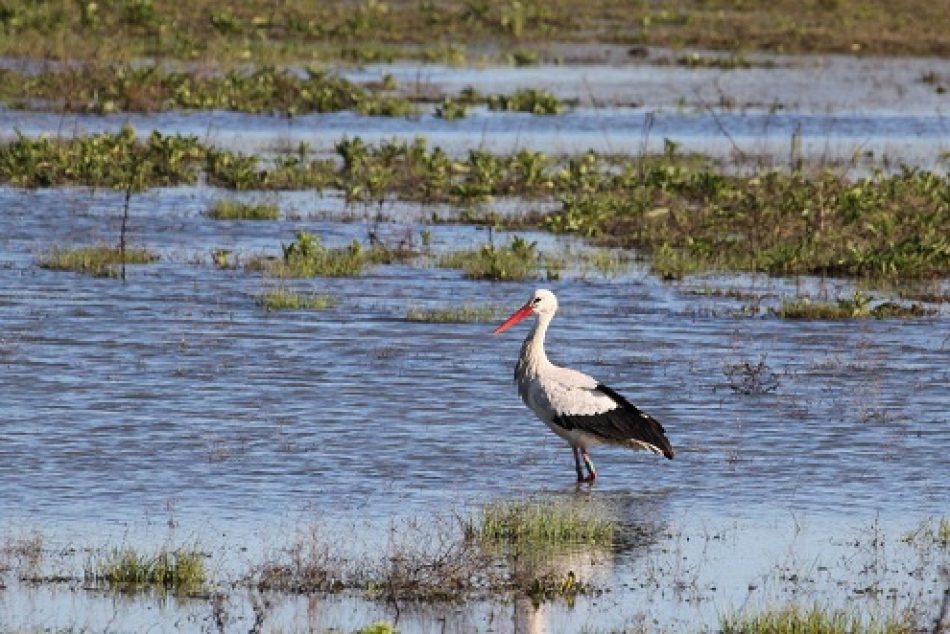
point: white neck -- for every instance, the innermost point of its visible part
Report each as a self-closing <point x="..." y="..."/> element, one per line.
<point x="533" y="358"/>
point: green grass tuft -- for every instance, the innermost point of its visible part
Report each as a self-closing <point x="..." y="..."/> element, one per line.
<point x="541" y="522"/>
<point x="527" y="100"/>
<point x="517" y="261"/>
<point x="283" y="299"/>
<point x="178" y="571"/>
<point x="98" y="261"/>
<point x="817" y="620"/>
<point x="378" y="627"/>
<point x="307" y="257"/>
<point x="226" y="209"/>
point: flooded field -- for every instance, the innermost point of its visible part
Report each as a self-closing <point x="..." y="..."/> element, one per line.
<point x="172" y="410"/>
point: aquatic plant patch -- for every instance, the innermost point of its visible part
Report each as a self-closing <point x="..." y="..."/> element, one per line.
<point x="686" y="212"/>
<point x="284" y="299"/>
<point x="858" y="306"/>
<point x="466" y="313"/>
<point x="306" y="256"/>
<point x="180" y="571"/>
<point x="227" y="209"/>
<point x="542" y="522"/>
<point x="98" y="261"/>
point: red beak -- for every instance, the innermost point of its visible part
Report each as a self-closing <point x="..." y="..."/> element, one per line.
<point x="521" y="313"/>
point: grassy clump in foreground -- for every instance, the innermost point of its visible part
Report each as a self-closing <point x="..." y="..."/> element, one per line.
<point x="857" y="306"/>
<point x="541" y="522"/>
<point x="283" y="299"/>
<point x="307" y="257"/>
<point x="236" y="210"/>
<point x="98" y="261"/>
<point x="817" y="620"/>
<point x="299" y="31"/>
<point x="465" y="313"/>
<point x="181" y="571"/>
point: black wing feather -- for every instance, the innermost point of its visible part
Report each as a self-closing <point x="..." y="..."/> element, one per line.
<point x="625" y="422"/>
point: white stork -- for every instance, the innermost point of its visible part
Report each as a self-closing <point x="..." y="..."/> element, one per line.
<point x="574" y="405"/>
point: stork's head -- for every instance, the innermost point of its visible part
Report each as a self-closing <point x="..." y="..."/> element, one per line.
<point x="542" y="302"/>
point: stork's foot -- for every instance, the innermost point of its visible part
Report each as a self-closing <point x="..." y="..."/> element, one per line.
<point x="588" y="479"/>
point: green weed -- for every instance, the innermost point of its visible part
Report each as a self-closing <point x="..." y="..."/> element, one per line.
<point x="283" y="299"/>
<point x="541" y="522"/>
<point x="517" y="261"/>
<point x="226" y="209"/>
<point x="816" y="620"/>
<point x="307" y="257"/>
<point x="527" y="100"/>
<point x="178" y="571"/>
<point x="98" y="261"/>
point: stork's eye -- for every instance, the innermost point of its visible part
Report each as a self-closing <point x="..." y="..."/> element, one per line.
<point x="537" y="300"/>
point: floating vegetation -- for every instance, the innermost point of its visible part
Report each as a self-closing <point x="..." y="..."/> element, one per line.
<point x="542" y="522"/>
<point x="516" y="261"/>
<point x="527" y="100"/>
<point x="307" y="257"/>
<point x="151" y="88"/>
<point x="180" y="571"/>
<point x="857" y="306"/>
<point x="816" y="620"/>
<point x="226" y="209"/>
<point x="466" y="313"/>
<point x="283" y="299"/>
<point x="98" y="261"/>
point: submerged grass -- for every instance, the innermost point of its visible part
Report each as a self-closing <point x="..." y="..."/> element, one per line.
<point x="466" y="313"/>
<point x="283" y="299"/>
<point x="98" y="261"/>
<point x="180" y="571"/>
<point x="857" y="306"/>
<point x="235" y="210"/>
<point x="815" y="620"/>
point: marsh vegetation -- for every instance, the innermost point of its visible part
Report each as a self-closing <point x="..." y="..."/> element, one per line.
<point x="372" y="31"/>
<point x="688" y="214"/>
<point x="97" y="261"/>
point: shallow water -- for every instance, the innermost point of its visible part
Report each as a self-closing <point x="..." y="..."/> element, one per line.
<point x="173" y="399"/>
<point x="171" y="409"/>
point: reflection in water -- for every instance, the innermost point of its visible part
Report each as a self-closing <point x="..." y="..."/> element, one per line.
<point x="550" y="576"/>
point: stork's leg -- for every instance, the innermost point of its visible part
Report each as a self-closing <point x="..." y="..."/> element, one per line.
<point x="591" y="472"/>
<point x="577" y="464"/>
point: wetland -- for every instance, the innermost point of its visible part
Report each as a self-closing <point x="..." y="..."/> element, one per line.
<point x="251" y="260"/>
